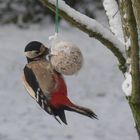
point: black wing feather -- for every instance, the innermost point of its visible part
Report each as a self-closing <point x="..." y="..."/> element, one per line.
<point x="40" y="97"/>
<point x="31" y="79"/>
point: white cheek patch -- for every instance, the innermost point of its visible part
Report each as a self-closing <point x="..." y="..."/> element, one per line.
<point x="31" y="54"/>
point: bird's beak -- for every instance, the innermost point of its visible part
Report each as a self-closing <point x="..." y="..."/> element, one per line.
<point x="47" y="51"/>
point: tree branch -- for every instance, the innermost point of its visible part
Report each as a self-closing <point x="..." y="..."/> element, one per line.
<point x="114" y="18"/>
<point x="135" y="97"/>
<point x="136" y="8"/>
<point x="123" y="11"/>
<point x="91" y="27"/>
<point x="132" y="51"/>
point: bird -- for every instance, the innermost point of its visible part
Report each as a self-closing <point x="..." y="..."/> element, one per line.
<point x="47" y="86"/>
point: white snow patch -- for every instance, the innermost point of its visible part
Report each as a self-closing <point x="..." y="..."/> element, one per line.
<point x="128" y="61"/>
<point x="125" y="16"/>
<point x="114" y="17"/>
<point x="127" y="84"/>
<point x="88" y="22"/>
<point x="128" y="43"/>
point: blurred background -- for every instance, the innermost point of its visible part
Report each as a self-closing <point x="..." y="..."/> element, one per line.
<point x="97" y="85"/>
<point x="25" y="12"/>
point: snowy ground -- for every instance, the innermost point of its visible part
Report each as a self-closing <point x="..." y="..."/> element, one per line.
<point x="97" y="85"/>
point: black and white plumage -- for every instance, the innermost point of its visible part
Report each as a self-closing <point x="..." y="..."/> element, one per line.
<point x="47" y="86"/>
<point x="35" y="51"/>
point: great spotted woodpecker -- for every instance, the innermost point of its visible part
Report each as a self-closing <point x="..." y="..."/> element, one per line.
<point x="46" y="85"/>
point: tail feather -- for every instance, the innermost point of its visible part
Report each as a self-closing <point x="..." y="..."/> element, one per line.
<point x="60" y="113"/>
<point x="82" y="110"/>
<point x="57" y="119"/>
<point x="62" y="116"/>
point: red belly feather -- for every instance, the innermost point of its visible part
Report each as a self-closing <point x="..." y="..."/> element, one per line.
<point x="59" y="96"/>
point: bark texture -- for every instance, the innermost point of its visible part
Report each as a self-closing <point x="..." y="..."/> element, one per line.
<point x="130" y="32"/>
<point x="136" y="8"/>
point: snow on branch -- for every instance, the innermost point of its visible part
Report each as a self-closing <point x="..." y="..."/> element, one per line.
<point x="113" y="13"/>
<point x="91" y="27"/>
<point x="127" y="84"/>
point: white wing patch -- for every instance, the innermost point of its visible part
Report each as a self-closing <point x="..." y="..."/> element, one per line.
<point x="37" y="97"/>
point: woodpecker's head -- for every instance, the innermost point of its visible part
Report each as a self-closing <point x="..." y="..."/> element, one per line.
<point x="35" y="51"/>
